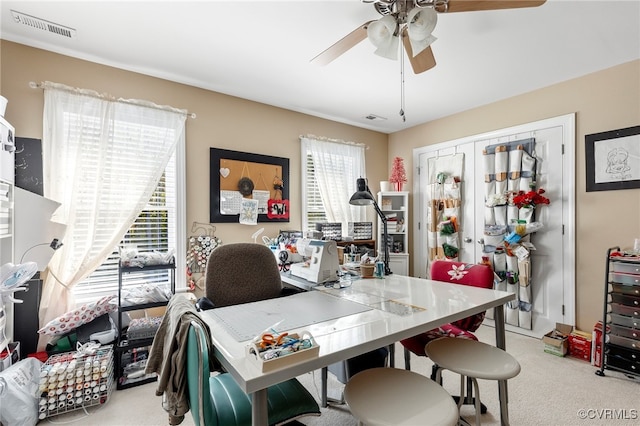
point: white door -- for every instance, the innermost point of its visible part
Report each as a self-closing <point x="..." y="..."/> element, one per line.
<point x="553" y="261"/>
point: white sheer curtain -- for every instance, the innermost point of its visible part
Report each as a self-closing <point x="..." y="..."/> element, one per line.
<point x="337" y="166"/>
<point x="102" y="161"/>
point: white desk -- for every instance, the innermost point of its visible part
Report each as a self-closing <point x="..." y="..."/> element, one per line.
<point x="352" y="335"/>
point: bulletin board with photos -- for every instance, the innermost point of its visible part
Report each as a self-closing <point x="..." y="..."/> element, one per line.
<point x="248" y="186"/>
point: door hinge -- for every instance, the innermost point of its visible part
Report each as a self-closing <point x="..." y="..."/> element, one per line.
<point x="562" y="229"/>
<point x="562" y="310"/>
<point x="562" y="149"/>
<point x="418" y="226"/>
<point x="418" y="170"/>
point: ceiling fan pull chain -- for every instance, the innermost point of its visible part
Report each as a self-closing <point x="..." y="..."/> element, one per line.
<point x="404" y="119"/>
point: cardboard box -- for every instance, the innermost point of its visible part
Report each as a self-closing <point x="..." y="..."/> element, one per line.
<point x="556" y="342"/>
<point x="580" y="345"/>
<point x="596" y="345"/>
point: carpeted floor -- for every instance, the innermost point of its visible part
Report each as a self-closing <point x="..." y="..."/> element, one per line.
<point x="548" y="391"/>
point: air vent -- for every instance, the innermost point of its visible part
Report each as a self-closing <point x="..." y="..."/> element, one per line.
<point x="41" y="24"/>
<point x="374" y="117"/>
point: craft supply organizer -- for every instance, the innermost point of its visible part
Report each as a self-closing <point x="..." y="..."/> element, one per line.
<point x="70" y="381"/>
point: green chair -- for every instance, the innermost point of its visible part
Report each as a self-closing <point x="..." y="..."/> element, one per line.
<point x="217" y="400"/>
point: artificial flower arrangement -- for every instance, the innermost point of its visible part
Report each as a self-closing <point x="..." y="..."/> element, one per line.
<point x="530" y="199"/>
<point x="496" y="200"/>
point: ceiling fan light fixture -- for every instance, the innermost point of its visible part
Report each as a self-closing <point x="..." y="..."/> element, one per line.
<point x="381" y="33"/>
<point x="421" y="24"/>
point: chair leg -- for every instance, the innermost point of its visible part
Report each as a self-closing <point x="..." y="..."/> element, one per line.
<point x="435" y="369"/>
<point x="407" y="359"/>
<point x="477" y="402"/>
<point x="469" y="399"/>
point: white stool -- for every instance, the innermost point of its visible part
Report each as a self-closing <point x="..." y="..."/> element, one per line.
<point x="392" y="397"/>
<point x="475" y="360"/>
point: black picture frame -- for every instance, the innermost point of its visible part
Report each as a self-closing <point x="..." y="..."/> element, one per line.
<point x="613" y="159"/>
<point x="216" y="157"/>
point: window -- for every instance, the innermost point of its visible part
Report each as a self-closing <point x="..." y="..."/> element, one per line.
<point x="155" y="230"/>
<point x="329" y="174"/>
<point x="314" y="208"/>
<point x="116" y="167"/>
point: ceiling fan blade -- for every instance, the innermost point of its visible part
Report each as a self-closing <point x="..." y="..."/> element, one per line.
<point x="342" y="45"/>
<point x="423" y="61"/>
<point x="475" y="5"/>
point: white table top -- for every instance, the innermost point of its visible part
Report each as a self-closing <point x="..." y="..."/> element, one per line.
<point x="351" y="335"/>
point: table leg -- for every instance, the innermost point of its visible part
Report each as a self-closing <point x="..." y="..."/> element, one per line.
<point x="498" y="317"/>
<point x="259" y="410"/>
<point x="324" y="377"/>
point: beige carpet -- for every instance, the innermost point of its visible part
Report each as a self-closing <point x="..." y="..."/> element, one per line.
<point x="549" y="391"/>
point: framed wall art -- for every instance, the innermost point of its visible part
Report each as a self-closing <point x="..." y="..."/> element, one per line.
<point x="613" y="159"/>
<point x="239" y="176"/>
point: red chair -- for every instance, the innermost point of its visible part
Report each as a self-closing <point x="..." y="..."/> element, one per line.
<point x="476" y="275"/>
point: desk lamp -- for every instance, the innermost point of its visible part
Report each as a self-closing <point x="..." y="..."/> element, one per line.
<point x="364" y="197"/>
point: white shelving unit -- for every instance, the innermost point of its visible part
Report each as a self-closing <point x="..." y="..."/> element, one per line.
<point x="7" y="149"/>
<point x="395" y="206"/>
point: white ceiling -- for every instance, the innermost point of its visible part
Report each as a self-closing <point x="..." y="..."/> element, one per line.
<point x="261" y="50"/>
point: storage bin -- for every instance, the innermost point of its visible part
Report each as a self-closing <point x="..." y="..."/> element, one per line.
<point x="632" y="290"/>
<point x="624" y="342"/>
<point x="625" y="299"/>
<point x="626" y="278"/>
<point x="628" y="268"/>
<point x="625" y="321"/>
<point x="631" y="333"/>
<point x="631" y="311"/>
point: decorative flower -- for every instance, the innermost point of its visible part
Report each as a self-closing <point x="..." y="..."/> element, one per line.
<point x="457" y="272"/>
<point x="496" y="200"/>
<point x="530" y="199"/>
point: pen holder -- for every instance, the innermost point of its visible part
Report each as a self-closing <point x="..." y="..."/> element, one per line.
<point x="366" y="270"/>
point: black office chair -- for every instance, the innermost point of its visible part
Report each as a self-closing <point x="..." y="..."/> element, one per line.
<point x="217" y="400"/>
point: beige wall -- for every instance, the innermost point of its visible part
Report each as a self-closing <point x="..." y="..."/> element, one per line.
<point x="602" y="101"/>
<point x="222" y="122"/>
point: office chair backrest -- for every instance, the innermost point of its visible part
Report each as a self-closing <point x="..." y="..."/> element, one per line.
<point x="476" y="275"/>
<point x="198" y="377"/>
<point x="240" y="273"/>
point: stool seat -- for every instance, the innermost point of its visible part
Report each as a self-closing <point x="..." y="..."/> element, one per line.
<point x="391" y="396"/>
<point x="473" y="359"/>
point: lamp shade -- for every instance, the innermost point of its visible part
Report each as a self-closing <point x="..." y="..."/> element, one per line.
<point x="382" y="35"/>
<point x="421" y="24"/>
<point x="362" y="197"/>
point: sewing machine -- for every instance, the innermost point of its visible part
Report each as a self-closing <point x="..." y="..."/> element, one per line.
<point x="322" y="265"/>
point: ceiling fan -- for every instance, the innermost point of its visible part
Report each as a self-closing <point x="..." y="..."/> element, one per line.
<point x="413" y="21"/>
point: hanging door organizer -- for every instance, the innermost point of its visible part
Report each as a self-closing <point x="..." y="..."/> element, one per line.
<point x="509" y="172"/>
<point x="444" y="214"/>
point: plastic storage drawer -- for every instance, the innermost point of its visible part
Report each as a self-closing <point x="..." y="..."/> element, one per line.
<point x="624" y="342"/>
<point x="633" y="290"/>
<point x="628" y="268"/>
<point x="631" y="333"/>
<point x="625" y="299"/>
<point x="626" y="278"/>
<point x="623" y="363"/>
<point x="630" y="311"/>
<point x="625" y="321"/>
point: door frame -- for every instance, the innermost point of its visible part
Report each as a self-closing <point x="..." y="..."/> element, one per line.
<point x="567" y="123"/>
